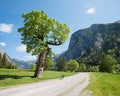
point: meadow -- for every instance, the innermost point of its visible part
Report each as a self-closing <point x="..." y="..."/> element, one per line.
<point x="10" y="77"/>
<point x="101" y="84"/>
<point x="104" y="84"/>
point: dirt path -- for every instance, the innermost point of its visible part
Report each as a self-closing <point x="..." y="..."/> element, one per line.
<point x="68" y="86"/>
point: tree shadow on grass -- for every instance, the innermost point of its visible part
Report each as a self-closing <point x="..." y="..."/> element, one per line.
<point x="11" y="76"/>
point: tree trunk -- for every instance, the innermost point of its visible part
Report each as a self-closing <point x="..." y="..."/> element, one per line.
<point x="40" y="64"/>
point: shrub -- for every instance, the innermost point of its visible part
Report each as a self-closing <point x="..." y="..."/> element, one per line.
<point x="93" y="69"/>
<point x="82" y="68"/>
<point x="106" y="64"/>
<point x="117" y="68"/>
<point x="72" y="65"/>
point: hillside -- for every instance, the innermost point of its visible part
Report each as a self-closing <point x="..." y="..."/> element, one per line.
<point x="2" y="54"/>
<point x="97" y="38"/>
<point x="22" y="64"/>
<point x="5" y="61"/>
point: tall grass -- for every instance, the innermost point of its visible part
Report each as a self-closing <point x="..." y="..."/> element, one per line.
<point x="104" y="84"/>
<point x="9" y="77"/>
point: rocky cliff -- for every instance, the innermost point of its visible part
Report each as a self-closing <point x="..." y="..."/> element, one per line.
<point x="2" y="53"/>
<point x="5" y="61"/>
<point x="97" y="36"/>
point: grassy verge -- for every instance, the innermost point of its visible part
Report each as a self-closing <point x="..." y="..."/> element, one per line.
<point x="9" y="77"/>
<point x="104" y="84"/>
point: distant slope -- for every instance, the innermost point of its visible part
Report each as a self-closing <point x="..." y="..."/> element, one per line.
<point x="5" y="61"/>
<point x="22" y="64"/>
<point x="2" y="53"/>
<point x="105" y="37"/>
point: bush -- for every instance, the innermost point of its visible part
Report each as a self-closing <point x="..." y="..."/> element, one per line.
<point x="49" y="64"/>
<point x="32" y="66"/>
<point x="72" y="65"/>
<point x="93" y="69"/>
<point x="85" y="68"/>
<point x="106" y="64"/>
<point x="117" y="68"/>
<point x="82" y="68"/>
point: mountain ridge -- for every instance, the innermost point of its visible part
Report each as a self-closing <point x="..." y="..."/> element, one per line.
<point x="2" y="53"/>
<point x="23" y="64"/>
<point x="84" y="41"/>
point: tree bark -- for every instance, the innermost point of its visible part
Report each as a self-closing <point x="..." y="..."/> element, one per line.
<point x="40" y="64"/>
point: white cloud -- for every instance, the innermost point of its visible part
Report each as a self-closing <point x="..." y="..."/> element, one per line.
<point x="7" y="28"/>
<point x="90" y="10"/>
<point x="21" y="48"/>
<point x="30" y="57"/>
<point x="3" y="44"/>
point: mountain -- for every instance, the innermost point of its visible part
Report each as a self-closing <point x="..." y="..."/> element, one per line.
<point x="104" y="37"/>
<point x="20" y="63"/>
<point x="2" y="53"/>
<point x="5" y="60"/>
<point x="23" y="64"/>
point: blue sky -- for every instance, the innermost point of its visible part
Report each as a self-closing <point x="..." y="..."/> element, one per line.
<point x="78" y="14"/>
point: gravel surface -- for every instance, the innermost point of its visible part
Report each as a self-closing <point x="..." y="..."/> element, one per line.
<point x="67" y="86"/>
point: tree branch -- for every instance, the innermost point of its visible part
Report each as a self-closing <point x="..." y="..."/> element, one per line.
<point x="53" y="43"/>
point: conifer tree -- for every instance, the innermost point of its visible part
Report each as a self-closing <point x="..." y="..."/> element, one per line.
<point x="5" y="63"/>
<point x="0" y="60"/>
<point x="61" y="64"/>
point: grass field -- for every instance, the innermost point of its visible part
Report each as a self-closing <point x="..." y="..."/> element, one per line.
<point x="104" y="84"/>
<point x="9" y="77"/>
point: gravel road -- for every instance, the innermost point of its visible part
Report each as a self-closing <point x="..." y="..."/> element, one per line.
<point x="68" y="86"/>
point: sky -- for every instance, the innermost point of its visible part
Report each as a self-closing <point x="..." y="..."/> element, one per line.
<point x="77" y="14"/>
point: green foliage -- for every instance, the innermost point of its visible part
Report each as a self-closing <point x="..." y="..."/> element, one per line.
<point x="107" y="40"/>
<point x="61" y="64"/>
<point x="91" y="58"/>
<point x="32" y="66"/>
<point x="93" y="69"/>
<point x="49" y="63"/>
<point x="0" y="60"/>
<point x="106" y="64"/>
<point x="72" y="65"/>
<point x="117" y="68"/>
<point x="111" y="45"/>
<point x="5" y="61"/>
<point x="104" y="84"/>
<point x="10" y="77"/>
<point x="39" y="31"/>
<point x="82" y="67"/>
<point x="85" y="68"/>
